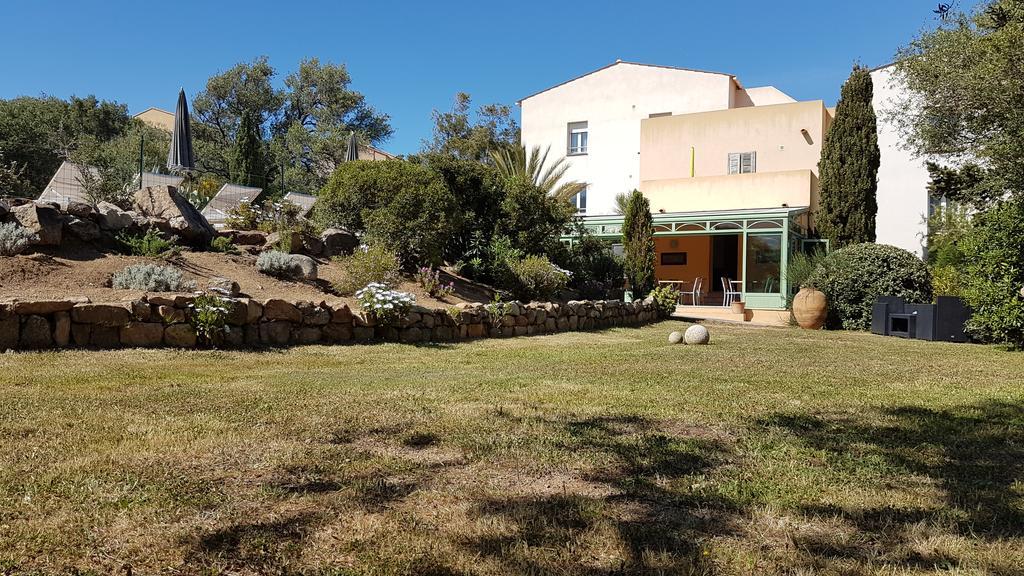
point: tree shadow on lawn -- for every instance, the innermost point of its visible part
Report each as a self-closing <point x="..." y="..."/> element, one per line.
<point x="974" y="454"/>
<point x="650" y="527"/>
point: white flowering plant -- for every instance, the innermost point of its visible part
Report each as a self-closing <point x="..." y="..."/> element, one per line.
<point x="208" y="316"/>
<point x="386" y="305"/>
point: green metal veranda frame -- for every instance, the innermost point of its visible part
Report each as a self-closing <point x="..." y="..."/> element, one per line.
<point x="782" y="221"/>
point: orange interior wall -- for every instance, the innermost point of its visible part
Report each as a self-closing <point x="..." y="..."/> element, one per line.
<point x="698" y="258"/>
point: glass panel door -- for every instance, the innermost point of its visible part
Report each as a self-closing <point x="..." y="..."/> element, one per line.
<point x="764" y="263"/>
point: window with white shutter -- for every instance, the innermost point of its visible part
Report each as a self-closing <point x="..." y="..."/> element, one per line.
<point x="742" y="162"/>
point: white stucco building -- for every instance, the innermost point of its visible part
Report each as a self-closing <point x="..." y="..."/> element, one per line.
<point x="902" y="177"/>
<point x="594" y="119"/>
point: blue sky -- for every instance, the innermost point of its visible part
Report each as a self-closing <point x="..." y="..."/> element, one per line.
<point x="409" y="58"/>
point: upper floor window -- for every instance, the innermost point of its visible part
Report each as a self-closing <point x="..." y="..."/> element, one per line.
<point x="577" y="138"/>
<point x="742" y="162"/>
<point x="580" y="201"/>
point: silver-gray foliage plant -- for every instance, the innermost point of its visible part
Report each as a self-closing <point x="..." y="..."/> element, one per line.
<point x="14" y="239"/>
<point x="279" y="264"/>
<point x="152" y="278"/>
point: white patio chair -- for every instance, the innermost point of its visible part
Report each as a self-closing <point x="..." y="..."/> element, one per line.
<point x="695" y="294"/>
<point x="728" y="294"/>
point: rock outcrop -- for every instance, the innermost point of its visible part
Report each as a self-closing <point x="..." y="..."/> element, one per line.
<point x="173" y="212"/>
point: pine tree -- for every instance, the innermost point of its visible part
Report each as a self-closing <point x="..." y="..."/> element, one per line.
<point x="248" y="162"/>
<point x="848" y="169"/>
<point x="638" y="243"/>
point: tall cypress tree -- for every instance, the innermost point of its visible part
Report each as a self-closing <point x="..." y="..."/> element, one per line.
<point x="248" y="162"/>
<point x="638" y="243"/>
<point x="848" y="169"/>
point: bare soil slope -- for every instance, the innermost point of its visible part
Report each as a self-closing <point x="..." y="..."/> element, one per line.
<point x="83" y="270"/>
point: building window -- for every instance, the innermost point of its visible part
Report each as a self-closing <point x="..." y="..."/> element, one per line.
<point x="577" y="138"/>
<point x="673" y="258"/>
<point x="580" y="201"/>
<point x="659" y="115"/>
<point x="742" y="162"/>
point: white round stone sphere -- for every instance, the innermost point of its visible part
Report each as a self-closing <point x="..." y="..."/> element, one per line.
<point x="675" y="337"/>
<point x="697" y="334"/>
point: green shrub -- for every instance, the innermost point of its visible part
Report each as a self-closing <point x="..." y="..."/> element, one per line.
<point x="994" y="274"/>
<point x="401" y="206"/>
<point x="369" y="265"/>
<point x="536" y="278"/>
<point x="666" y="297"/>
<point x="532" y="219"/>
<point x="14" y="239"/>
<point x="597" y="273"/>
<point x="152" y="278"/>
<point x="947" y="280"/>
<point x="278" y="265"/>
<point x="853" y="277"/>
<point x="150" y="244"/>
<point x="223" y="244"/>
<point x="245" y="216"/>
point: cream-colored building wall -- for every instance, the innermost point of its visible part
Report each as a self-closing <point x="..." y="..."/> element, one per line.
<point x="613" y="101"/>
<point x="159" y="118"/>
<point x="690" y="153"/>
<point x="902" y="178"/>
<point x="732" y="192"/>
<point x="784" y="136"/>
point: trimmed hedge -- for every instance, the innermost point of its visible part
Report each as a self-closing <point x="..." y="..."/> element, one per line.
<point x="853" y="277"/>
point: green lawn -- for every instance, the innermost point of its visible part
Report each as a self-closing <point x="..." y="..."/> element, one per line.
<point x="770" y="451"/>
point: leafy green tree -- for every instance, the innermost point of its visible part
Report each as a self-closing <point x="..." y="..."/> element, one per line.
<point x="39" y="133"/>
<point x="12" y="178"/>
<point x="515" y="162"/>
<point x="304" y="127"/>
<point x="638" y="244"/>
<point x="531" y="218"/>
<point x="244" y="93"/>
<point x="115" y="163"/>
<point x="400" y="205"/>
<point x="994" y="273"/>
<point x="478" y="192"/>
<point x="965" y="88"/>
<point x="320" y="111"/>
<point x="848" y="169"/>
<point x="470" y="136"/>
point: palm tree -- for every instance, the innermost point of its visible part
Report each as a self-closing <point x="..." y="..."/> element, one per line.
<point x="513" y="162"/>
<point x="621" y="203"/>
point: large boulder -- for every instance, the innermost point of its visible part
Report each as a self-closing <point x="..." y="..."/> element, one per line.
<point x="182" y="218"/>
<point x="306" y="266"/>
<point x="338" y="242"/>
<point x="79" y="209"/>
<point x="86" y="230"/>
<point x="44" y="221"/>
<point x="111" y="217"/>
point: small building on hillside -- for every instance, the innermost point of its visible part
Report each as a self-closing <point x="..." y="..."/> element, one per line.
<point x="157" y="118"/>
<point x="302" y="200"/>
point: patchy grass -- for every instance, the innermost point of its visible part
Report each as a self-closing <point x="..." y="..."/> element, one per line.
<point x="770" y="451"/>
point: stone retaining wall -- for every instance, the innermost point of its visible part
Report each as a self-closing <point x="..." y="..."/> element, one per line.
<point x="163" y="321"/>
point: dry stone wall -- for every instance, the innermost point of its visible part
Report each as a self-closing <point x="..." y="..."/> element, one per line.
<point x="163" y="321"/>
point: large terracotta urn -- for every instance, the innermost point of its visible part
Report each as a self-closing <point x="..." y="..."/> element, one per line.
<point x="810" y="308"/>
